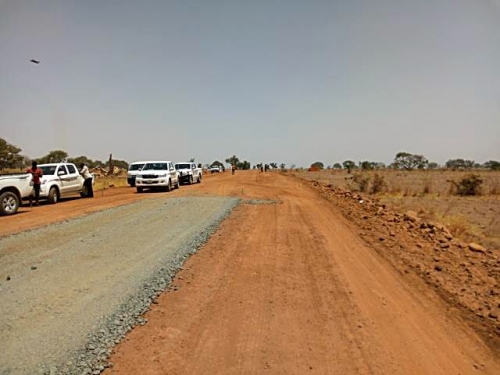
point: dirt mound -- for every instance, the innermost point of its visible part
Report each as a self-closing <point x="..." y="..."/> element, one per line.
<point x="466" y="275"/>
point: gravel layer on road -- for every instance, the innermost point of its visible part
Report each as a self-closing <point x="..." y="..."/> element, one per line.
<point x="69" y="292"/>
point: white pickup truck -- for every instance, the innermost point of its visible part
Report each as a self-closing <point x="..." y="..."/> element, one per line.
<point x="189" y="173"/>
<point x="60" y="180"/>
<point x="13" y="189"/>
<point x="157" y="175"/>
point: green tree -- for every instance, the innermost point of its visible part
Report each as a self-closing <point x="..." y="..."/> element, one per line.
<point x="378" y="165"/>
<point x="318" y="165"/>
<point x="409" y="161"/>
<point x="337" y="166"/>
<point x="282" y="165"/>
<point x="455" y="164"/>
<point x="349" y="165"/>
<point x="366" y="165"/>
<point x="10" y="156"/>
<point x="244" y="165"/>
<point x="56" y="156"/>
<point x="233" y="160"/>
<point x="81" y="159"/>
<point x="460" y="164"/>
<point x="432" y="165"/>
<point x="493" y="165"/>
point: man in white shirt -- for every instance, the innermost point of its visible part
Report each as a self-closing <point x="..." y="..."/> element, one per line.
<point x="84" y="171"/>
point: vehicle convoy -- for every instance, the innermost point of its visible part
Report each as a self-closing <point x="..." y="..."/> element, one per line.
<point x="157" y="175"/>
<point x="133" y="169"/>
<point x="189" y="173"/>
<point x="61" y="180"/>
<point x="13" y="189"/>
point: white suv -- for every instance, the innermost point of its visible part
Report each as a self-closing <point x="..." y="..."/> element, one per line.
<point x="157" y="175"/>
<point x="133" y="169"/>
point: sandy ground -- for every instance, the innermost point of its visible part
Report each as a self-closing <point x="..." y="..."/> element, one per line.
<point x="287" y="288"/>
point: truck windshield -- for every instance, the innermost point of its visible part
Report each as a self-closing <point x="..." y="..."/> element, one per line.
<point x="135" y="167"/>
<point x="182" y="166"/>
<point x="48" y="169"/>
<point x="155" y="167"/>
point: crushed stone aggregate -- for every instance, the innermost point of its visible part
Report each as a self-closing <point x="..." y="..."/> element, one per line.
<point x="95" y="277"/>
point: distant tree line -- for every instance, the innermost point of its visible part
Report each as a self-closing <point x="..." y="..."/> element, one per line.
<point x="11" y="158"/>
<point x="409" y="162"/>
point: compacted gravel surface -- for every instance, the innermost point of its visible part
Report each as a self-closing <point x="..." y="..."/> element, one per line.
<point x="70" y="291"/>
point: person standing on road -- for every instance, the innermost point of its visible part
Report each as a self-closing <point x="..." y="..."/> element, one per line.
<point x="84" y="171"/>
<point x="233" y="168"/>
<point x="36" y="174"/>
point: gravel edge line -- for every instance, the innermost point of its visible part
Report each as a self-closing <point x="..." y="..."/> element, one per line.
<point x="94" y="358"/>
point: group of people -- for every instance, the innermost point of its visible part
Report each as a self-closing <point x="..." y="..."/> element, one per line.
<point x="37" y="174"/>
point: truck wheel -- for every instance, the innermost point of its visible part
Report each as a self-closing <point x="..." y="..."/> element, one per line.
<point x="132" y="184"/>
<point x="199" y="178"/>
<point x="9" y="203"/>
<point x="169" y="187"/>
<point x="177" y="184"/>
<point x="140" y="190"/>
<point x="53" y="196"/>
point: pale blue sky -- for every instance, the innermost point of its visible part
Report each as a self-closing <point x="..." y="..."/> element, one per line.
<point x="270" y="81"/>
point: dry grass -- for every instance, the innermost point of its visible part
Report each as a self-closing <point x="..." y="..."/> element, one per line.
<point x="409" y="183"/>
<point x="471" y="219"/>
<point x="106" y="182"/>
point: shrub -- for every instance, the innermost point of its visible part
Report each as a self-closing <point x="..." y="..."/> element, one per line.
<point x="468" y="185"/>
<point x="361" y="181"/>
<point x="378" y="183"/>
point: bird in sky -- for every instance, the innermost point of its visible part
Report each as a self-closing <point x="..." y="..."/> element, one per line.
<point x="35" y="61"/>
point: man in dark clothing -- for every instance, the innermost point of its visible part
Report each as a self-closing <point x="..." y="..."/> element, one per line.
<point x="36" y="174"/>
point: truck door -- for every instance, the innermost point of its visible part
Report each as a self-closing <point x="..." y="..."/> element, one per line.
<point x="74" y="183"/>
<point x="173" y="173"/>
<point x="64" y="179"/>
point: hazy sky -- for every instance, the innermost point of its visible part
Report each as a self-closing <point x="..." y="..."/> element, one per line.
<point x="270" y="81"/>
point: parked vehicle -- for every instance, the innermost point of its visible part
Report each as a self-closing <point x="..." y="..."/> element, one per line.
<point x="61" y="180"/>
<point x="157" y="175"/>
<point x="13" y="189"/>
<point x="189" y="173"/>
<point x="133" y="169"/>
<point x="215" y="169"/>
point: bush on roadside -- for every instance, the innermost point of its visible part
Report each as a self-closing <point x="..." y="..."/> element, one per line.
<point x="378" y="184"/>
<point x="468" y="185"/>
<point x="361" y="182"/>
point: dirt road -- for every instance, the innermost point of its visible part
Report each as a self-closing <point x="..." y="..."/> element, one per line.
<point x="286" y="286"/>
<point x="291" y="289"/>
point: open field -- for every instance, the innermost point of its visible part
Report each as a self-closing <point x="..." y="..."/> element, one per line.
<point x="472" y="219"/>
<point x="299" y="278"/>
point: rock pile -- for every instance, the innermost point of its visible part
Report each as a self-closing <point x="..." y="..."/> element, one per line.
<point x="465" y="275"/>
